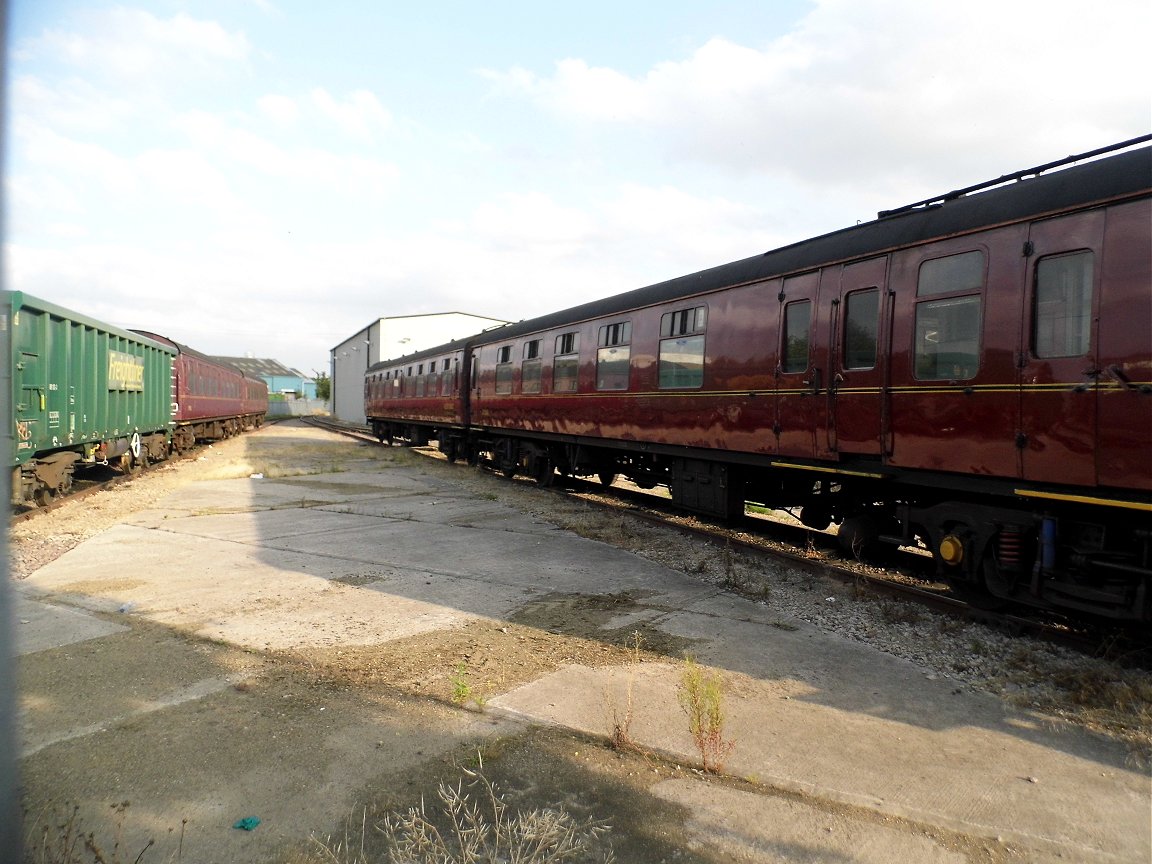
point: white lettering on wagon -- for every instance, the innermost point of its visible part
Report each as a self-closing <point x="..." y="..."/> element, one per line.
<point x="125" y="372"/>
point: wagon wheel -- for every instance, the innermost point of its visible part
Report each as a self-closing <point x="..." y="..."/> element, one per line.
<point x="607" y="478"/>
<point x="44" y="496"/>
<point x="544" y="470"/>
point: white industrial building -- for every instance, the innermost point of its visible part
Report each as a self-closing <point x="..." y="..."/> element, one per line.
<point x="387" y="339"/>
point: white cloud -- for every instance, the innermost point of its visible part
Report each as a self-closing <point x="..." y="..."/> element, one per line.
<point x="72" y="104"/>
<point x="359" y="116"/>
<point x="303" y="164"/>
<point x="877" y="88"/>
<point x="133" y="45"/>
<point x="281" y="110"/>
<point x="88" y="163"/>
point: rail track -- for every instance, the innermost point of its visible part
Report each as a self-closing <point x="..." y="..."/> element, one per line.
<point x="907" y="577"/>
<point x="99" y="478"/>
<point x="103" y="478"/>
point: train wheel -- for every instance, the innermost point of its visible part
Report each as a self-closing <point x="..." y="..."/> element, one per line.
<point x="44" y="496"/>
<point x="996" y="586"/>
<point x="543" y="470"/>
<point x="607" y="478"/>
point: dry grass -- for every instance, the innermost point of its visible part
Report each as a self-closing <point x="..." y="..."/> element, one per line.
<point x="61" y="838"/>
<point x="473" y="826"/>
<point x="621" y="719"/>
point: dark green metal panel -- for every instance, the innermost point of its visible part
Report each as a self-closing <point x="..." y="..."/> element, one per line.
<point x="77" y="382"/>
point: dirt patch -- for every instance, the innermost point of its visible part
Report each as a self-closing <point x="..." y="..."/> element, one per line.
<point x="588" y="616"/>
<point x="488" y="657"/>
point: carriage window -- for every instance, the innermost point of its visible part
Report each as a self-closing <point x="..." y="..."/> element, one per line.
<point x="615" y="334"/>
<point x="504" y="369"/>
<point x="531" y="367"/>
<point x="567" y="363"/>
<point x="682" y="351"/>
<point x="797" y="319"/>
<point x="951" y="275"/>
<point x="948" y="331"/>
<point x="613" y="356"/>
<point x="861" y="322"/>
<point x="684" y="322"/>
<point x="948" y="338"/>
<point x="682" y="362"/>
<point x="530" y="376"/>
<point x="1062" y="306"/>
<point x="451" y="378"/>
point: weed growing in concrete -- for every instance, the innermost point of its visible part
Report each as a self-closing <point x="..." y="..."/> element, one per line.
<point x="621" y="734"/>
<point x="475" y="827"/>
<point x="702" y="698"/>
<point x="463" y="691"/>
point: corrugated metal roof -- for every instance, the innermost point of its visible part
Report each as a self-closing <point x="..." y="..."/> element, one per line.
<point x="263" y="368"/>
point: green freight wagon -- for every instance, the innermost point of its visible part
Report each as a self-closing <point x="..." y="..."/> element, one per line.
<point x="83" y="393"/>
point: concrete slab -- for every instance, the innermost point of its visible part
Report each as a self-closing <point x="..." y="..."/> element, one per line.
<point x="257" y="597"/>
<point x="735" y="822"/>
<point x="40" y="625"/>
<point x="439" y="509"/>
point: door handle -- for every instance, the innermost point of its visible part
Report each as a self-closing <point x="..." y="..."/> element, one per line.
<point x="813" y="382"/>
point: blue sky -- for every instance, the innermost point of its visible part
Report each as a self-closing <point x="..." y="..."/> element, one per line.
<point x="266" y="177"/>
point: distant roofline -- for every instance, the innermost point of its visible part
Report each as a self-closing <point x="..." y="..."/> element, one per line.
<point x="272" y="368"/>
<point x="433" y="315"/>
<point x="499" y="322"/>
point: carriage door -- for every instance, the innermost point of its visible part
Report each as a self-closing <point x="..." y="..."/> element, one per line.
<point x="799" y="378"/>
<point x="858" y="365"/>
<point x="1059" y="369"/>
<point x="32" y="403"/>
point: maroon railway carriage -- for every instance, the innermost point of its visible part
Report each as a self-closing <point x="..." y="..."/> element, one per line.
<point x="211" y="400"/>
<point x="974" y="371"/>
<point x="419" y="397"/>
